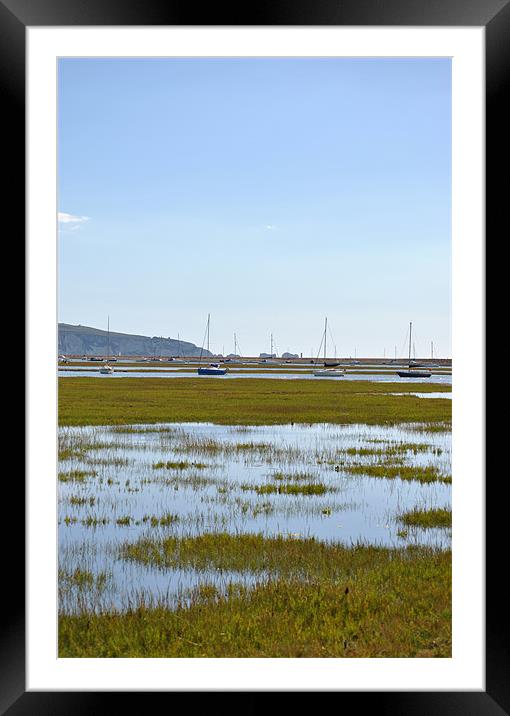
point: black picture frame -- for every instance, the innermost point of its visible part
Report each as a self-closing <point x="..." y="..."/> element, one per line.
<point x="494" y="15"/>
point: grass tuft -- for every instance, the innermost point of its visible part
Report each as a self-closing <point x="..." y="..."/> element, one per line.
<point x="427" y="518"/>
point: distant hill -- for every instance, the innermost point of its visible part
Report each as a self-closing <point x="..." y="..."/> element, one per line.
<point x="84" y="340"/>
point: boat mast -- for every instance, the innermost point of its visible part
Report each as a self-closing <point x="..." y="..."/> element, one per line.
<point x="271" y="351"/>
<point x="207" y="331"/>
<point x="410" y="333"/>
<point x="325" y="335"/>
<point x="108" y="349"/>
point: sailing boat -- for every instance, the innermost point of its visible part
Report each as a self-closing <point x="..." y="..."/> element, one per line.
<point x="328" y="372"/>
<point x="178" y="359"/>
<point x="412" y="373"/>
<point x="107" y="369"/>
<point x="235" y="357"/>
<point x="212" y="368"/>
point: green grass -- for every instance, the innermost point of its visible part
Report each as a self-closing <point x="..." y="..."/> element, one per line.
<point x="76" y="475"/>
<point x="394" y="449"/>
<point x="321" y="600"/>
<point x="93" y="521"/>
<point x="307" y="558"/>
<point x="141" y="429"/>
<point x="246" y="447"/>
<point x="182" y="465"/>
<point x="107" y="461"/>
<point x="192" y="480"/>
<point x="290" y="476"/>
<point x="315" y="488"/>
<point x="312" y="599"/>
<point x="390" y="471"/>
<point x="78" y="500"/>
<point x="82" y="579"/>
<point x="165" y="521"/>
<point x="427" y="518"/>
<point x="435" y="427"/>
<point x="251" y="401"/>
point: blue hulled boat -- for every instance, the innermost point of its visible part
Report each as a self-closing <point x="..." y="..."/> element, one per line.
<point x="212" y="368"/>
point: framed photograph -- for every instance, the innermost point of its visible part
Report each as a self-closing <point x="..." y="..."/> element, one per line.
<point x="255" y="271"/>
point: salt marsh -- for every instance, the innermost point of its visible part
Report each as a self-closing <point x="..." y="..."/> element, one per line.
<point x="121" y="486"/>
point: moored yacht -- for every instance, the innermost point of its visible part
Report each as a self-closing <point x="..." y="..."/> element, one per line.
<point x="329" y="373"/>
<point x="330" y="369"/>
<point x="212" y="368"/>
<point x="412" y="372"/>
<point x="107" y="369"/>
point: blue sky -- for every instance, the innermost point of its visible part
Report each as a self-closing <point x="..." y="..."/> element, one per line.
<point x="266" y="192"/>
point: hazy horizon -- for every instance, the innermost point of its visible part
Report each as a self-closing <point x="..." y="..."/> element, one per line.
<point x="269" y="193"/>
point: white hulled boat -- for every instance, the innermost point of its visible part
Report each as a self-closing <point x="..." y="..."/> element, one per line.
<point x="328" y="372"/>
<point x="107" y="369"/>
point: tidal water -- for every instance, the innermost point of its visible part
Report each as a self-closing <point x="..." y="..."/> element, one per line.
<point x="86" y="372"/>
<point x="113" y="490"/>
